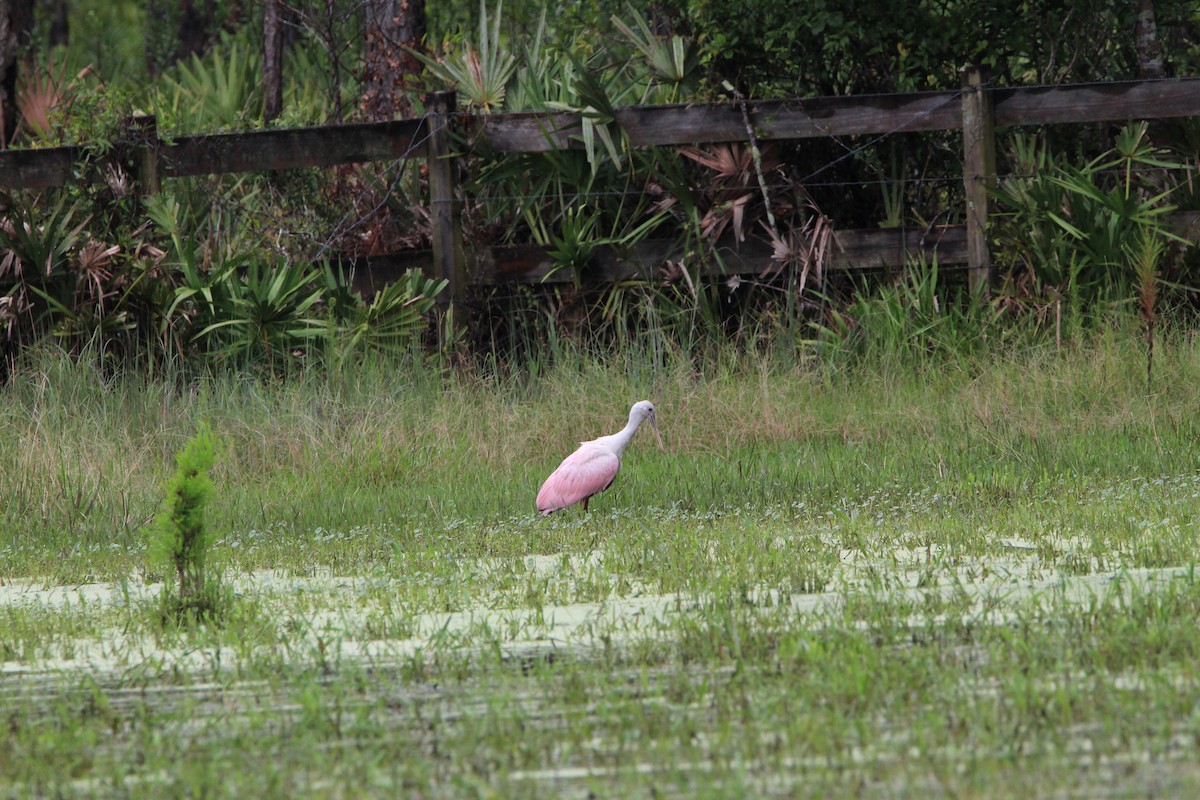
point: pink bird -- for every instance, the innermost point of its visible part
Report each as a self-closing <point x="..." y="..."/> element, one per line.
<point x="592" y="467"/>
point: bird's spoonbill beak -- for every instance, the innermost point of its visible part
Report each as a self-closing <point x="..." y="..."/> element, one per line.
<point x="657" y="435"/>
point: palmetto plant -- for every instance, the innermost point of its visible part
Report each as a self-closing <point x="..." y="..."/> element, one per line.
<point x="576" y="240"/>
<point x="252" y="309"/>
<point x="39" y="245"/>
<point x="38" y="281"/>
<point x="221" y="89"/>
<point x="271" y="311"/>
<point x="672" y="62"/>
<point x="1104" y="216"/>
<point x="596" y="105"/>
<point x="1078" y="230"/>
<point x="479" y="73"/>
<point x="40" y="91"/>
<point x="531" y="194"/>
<point x="393" y="319"/>
<point x="200" y="294"/>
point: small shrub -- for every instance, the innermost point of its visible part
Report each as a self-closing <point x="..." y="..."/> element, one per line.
<point x="180" y="539"/>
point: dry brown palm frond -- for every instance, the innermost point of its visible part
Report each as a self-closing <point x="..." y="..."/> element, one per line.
<point x="95" y="261"/>
<point x="732" y="162"/>
<point x="118" y="181"/>
<point x="39" y="92"/>
<point x="733" y="191"/>
<point x="10" y="264"/>
<point x="12" y="306"/>
<point x="144" y="251"/>
<point x="674" y="271"/>
<point x="802" y="250"/>
<point x="719" y="217"/>
<point x="728" y="161"/>
<point x="664" y="200"/>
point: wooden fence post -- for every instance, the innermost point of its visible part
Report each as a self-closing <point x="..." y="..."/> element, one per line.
<point x="979" y="173"/>
<point x="144" y="130"/>
<point x="445" y="208"/>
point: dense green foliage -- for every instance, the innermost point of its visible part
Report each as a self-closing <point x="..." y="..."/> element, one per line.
<point x="180" y="538"/>
<point x="782" y="48"/>
<point x="252" y="270"/>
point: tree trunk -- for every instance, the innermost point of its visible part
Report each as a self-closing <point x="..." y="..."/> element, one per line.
<point x="272" y="60"/>
<point x="195" y="28"/>
<point x="390" y="26"/>
<point x="16" y="21"/>
<point x="1150" y="63"/>
<point x="181" y="28"/>
<point x="60" y="28"/>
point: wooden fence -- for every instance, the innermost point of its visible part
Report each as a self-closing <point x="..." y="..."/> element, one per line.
<point x="977" y="110"/>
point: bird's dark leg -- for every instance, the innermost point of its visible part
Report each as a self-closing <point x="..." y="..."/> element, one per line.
<point x="585" y="502"/>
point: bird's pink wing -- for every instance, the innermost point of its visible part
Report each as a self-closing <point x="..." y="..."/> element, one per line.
<point x="583" y="473"/>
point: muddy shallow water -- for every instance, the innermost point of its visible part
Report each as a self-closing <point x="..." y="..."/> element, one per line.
<point x="205" y="697"/>
<point x="342" y="607"/>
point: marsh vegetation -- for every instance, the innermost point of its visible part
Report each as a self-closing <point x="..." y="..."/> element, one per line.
<point x="969" y="577"/>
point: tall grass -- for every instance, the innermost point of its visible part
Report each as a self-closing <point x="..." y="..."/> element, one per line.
<point x="864" y="570"/>
<point x="407" y="446"/>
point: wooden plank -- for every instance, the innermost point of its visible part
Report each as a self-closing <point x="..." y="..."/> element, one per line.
<point x="854" y="115"/>
<point x="652" y="126"/>
<point x="646" y="126"/>
<point x="856" y="250"/>
<point x="254" y="151"/>
<point x="325" y="146"/>
<point x="1097" y="102"/>
<point x="367" y="275"/>
<point x="293" y="148"/>
<point x="38" y="169"/>
<point x="801" y="118"/>
<point x="890" y="248"/>
<point x="867" y="249"/>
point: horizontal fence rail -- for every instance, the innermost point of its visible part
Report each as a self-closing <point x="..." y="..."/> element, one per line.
<point x="975" y="109"/>
<point x="220" y="153"/>
<point x="648" y="126"/>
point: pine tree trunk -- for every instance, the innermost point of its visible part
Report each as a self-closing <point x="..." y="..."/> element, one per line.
<point x="60" y="27"/>
<point x="390" y="26"/>
<point x="272" y="60"/>
<point x="16" y="21"/>
<point x="1150" y="63"/>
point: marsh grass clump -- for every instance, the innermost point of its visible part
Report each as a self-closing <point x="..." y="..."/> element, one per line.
<point x="181" y="539"/>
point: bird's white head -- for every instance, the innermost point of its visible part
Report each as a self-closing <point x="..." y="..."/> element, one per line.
<point x="643" y="411"/>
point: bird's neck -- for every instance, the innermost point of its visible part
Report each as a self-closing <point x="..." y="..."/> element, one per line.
<point x="618" y="441"/>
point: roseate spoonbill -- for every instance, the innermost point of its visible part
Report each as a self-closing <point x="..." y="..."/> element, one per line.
<point x="592" y="467"/>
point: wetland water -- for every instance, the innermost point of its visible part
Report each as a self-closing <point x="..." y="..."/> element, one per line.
<point x="564" y="698"/>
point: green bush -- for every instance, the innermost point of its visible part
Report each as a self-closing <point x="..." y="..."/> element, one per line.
<point x="180" y="539"/>
<point x="1076" y="235"/>
<point x="826" y="47"/>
